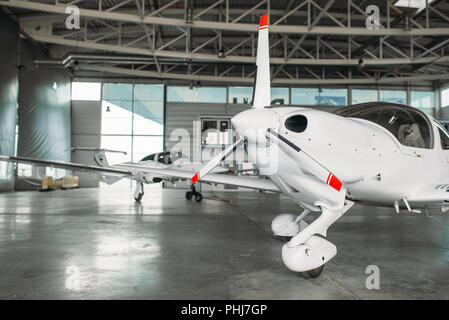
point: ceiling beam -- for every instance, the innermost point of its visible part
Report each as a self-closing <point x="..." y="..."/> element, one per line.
<point x="250" y="80"/>
<point x="230" y="58"/>
<point x="242" y="27"/>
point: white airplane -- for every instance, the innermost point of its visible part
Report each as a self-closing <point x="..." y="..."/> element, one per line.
<point x="110" y="174"/>
<point x="380" y="154"/>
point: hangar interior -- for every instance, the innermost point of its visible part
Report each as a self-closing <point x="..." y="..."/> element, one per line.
<point x="134" y="76"/>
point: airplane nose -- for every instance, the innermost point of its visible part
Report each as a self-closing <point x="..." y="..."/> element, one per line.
<point x="252" y="120"/>
<point x="239" y="121"/>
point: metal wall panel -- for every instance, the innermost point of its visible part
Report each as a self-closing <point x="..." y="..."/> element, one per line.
<point x="86" y="130"/>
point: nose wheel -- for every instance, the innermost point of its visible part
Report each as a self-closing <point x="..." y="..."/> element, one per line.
<point x="194" y="194"/>
<point x="314" y="273"/>
<point x="138" y="194"/>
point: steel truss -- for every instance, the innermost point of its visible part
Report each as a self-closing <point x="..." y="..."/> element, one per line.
<point x="311" y="41"/>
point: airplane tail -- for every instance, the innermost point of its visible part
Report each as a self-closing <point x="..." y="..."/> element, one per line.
<point x="261" y="91"/>
<point x="99" y="156"/>
<point x="101" y="160"/>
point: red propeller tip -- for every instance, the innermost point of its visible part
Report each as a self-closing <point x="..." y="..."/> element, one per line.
<point x="263" y="21"/>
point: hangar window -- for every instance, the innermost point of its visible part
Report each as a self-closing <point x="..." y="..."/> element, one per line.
<point x="279" y="96"/>
<point x="242" y="95"/>
<point x="424" y="100"/>
<point x="444" y="94"/>
<point x="362" y="96"/>
<point x="132" y="120"/>
<point x="88" y="91"/>
<point x="196" y="94"/>
<point x="323" y="97"/>
<point x="395" y="96"/>
<point x="305" y="96"/>
<point x="297" y="123"/>
<point x="409" y="125"/>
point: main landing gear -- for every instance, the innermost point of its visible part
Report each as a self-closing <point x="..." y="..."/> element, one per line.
<point x="138" y="194"/>
<point x="193" y="193"/>
<point x="307" y="251"/>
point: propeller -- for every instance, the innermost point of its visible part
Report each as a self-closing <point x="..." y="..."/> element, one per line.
<point x="216" y="160"/>
<point x="310" y="164"/>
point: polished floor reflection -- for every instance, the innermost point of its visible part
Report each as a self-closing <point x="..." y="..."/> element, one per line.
<point x="99" y="244"/>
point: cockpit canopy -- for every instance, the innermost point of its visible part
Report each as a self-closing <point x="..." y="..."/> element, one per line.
<point x="161" y="157"/>
<point x="409" y="125"/>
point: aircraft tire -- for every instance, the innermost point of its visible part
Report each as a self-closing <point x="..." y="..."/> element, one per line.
<point x="314" y="273"/>
<point x="284" y="238"/>
<point x="198" y="197"/>
<point x="189" y="195"/>
<point x="139" y="197"/>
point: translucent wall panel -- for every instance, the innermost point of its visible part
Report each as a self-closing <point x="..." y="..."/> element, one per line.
<point x="305" y="96"/>
<point x="445" y="104"/>
<point x="202" y="95"/>
<point x="86" y="91"/>
<point x="424" y="100"/>
<point x="117" y="108"/>
<point x="279" y="96"/>
<point x="363" y="95"/>
<point x="333" y="97"/>
<point x="132" y="120"/>
<point x="145" y="145"/>
<point x="445" y="98"/>
<point x="119" y="143"/>
<point x="148" y="110"/>
<point x="117" y="92"/>
<point x="396" y="96"/>
<point x="242" y="95"/>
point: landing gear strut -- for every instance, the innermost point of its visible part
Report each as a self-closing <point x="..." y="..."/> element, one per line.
<point x="138" y="194"/>
<point x="308" y="251"/>
<point x="193" y="193"/>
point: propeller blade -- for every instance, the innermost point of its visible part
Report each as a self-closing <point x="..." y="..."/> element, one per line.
<point x="309" y="163"/>
<point x="216" y="160"/>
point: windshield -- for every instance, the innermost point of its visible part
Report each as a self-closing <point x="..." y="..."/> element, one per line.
<point x="444" y="135"/>
<point x="409" y="125"/>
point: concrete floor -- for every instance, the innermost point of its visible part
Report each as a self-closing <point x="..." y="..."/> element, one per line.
<point x="171" y="248"/>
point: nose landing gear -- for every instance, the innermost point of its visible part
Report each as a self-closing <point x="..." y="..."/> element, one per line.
<point x="138" y="194"/>
<point x="193" y="193"/>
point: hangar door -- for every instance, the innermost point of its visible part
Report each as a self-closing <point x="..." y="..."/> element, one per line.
<point x="132" y="120"/>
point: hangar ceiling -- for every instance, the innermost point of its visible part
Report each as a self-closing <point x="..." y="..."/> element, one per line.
<point x="311" y="41"/>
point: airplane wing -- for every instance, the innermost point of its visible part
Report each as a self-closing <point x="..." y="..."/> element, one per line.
<point x="245" y="182"/>
<point x="68" y="166"/>
<point x="131" y="169"/>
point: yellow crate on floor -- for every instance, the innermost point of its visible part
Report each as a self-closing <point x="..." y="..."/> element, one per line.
<point x="47" y="183"/>
<point x="69" y="182"/>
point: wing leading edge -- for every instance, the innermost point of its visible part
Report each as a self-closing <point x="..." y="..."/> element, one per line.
<point x="131" y="169"/>
<point x="68" y="165"/>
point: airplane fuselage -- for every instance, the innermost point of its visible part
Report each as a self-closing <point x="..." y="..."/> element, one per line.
<point x="369" y="160"/>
